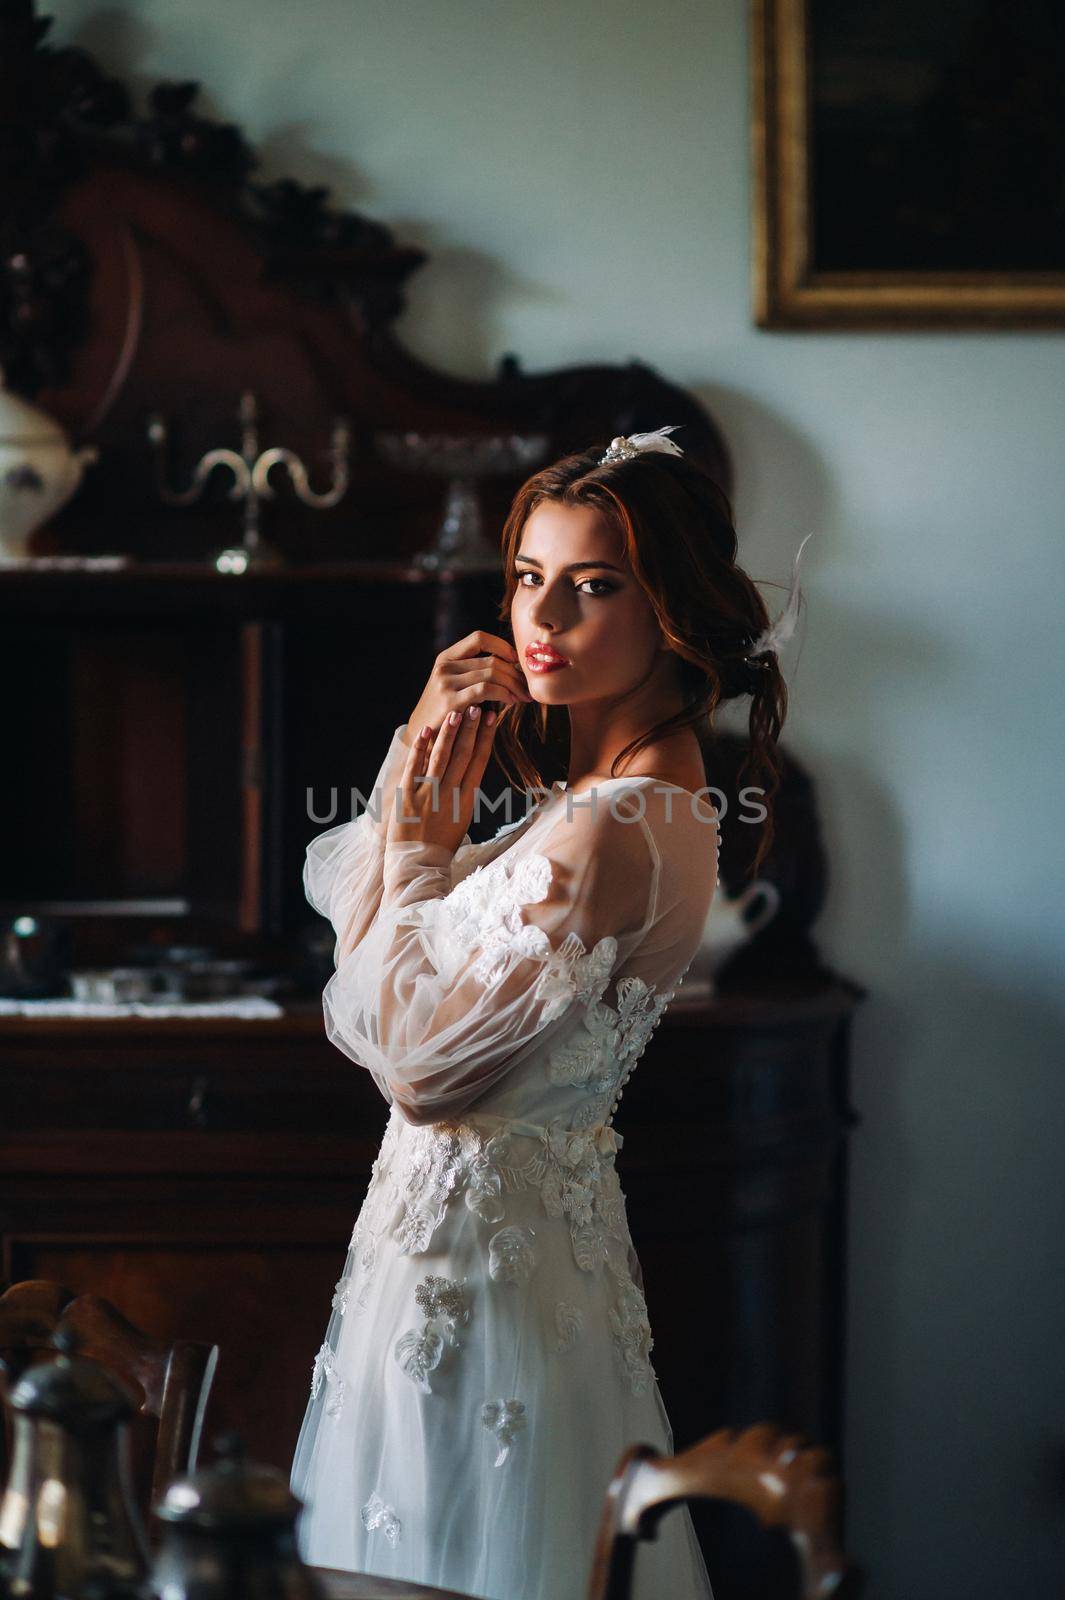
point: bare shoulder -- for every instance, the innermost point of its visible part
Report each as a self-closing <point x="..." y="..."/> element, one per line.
<point x="676" y="760"/>
<point x="676" y="764"/>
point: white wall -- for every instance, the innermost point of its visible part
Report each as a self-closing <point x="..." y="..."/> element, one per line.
<point x="580" y="177"/>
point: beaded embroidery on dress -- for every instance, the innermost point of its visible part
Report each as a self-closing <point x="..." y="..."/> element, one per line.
<point x="487" y="1359"/>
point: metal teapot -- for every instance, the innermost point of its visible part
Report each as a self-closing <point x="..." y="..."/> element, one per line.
<point x="229" y="1533"/>
<point x="69" y="1527"/>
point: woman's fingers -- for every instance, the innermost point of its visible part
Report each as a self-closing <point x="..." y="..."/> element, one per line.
<point x="414" y="765"/>
<point x="488" y="675"/>
<point x="479" y="754"/>
<point x="482" y="749"/>
<point x="456" y="758"/>
<point x="455" y="674"/>
<point x="440" y="754"/>
<point x="465" y="740"/>
<point x="478" y="643"/>
<point x="507" y="672"/>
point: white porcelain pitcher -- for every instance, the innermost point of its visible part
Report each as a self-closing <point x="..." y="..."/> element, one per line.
<point x="38" y="471"/>
<point x="731" y="922"/>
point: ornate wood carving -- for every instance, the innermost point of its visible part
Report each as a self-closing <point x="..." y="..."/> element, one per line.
<point x="144" y="268"/>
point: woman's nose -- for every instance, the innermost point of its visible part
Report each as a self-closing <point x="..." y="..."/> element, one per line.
<point x="545" y="611"/>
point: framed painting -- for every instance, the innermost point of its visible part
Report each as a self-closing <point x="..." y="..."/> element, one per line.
<point x="909" y="163"/>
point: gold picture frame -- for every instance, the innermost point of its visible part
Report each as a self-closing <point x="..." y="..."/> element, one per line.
<point x="791" y="287"/>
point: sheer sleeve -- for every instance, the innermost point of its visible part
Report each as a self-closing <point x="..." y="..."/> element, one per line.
<point x="449" y="988"/>
<point x="342" y="870"/>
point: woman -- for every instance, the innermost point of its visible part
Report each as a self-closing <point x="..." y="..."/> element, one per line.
<point x="487" y="1362"/>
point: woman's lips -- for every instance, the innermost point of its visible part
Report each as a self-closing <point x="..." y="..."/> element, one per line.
<point x="538" y="659"/>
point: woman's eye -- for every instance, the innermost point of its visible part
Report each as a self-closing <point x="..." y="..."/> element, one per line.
<point x="604" y="588"/>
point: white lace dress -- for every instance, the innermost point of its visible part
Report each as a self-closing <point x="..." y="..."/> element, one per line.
<point x="487" y="1359"/>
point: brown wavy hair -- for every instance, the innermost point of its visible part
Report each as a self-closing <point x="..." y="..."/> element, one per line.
<point x="677" y="529"/>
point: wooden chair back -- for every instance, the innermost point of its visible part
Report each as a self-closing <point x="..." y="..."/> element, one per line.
<point x="784" y="1482"/>
<point x="174" y="1380"/>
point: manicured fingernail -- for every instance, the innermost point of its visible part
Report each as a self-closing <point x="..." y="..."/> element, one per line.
<point x="489" y="717"/>
<point x="427" y="732"/>
<point x="454" y="717"/>
<point x="473" y="713"/>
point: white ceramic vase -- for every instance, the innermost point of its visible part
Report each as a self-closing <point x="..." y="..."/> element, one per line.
<point x="731" y="922"/>
<point x="38" y="471"/>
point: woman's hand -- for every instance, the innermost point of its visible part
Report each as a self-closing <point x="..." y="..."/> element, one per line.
<point x="450" y="765"/>
<point x="477" y="669"/>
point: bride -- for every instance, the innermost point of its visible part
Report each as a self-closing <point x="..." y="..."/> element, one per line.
<point x="487" y="1358"/>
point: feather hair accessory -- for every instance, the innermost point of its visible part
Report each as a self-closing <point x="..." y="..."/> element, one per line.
<point x="626" y="448"/>
<point x="783" y="626"/>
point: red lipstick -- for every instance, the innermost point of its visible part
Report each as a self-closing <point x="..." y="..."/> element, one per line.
<point x="543" y="658"/>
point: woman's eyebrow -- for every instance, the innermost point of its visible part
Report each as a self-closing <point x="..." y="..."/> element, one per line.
<point x="574" y="566"/>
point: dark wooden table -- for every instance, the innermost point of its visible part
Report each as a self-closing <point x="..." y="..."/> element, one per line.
<point x="364" y="1586"/>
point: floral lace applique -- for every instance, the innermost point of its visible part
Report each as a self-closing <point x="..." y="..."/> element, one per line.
<point x="325" y="1371"/>
<point x="569" y="1324"/>
<point x="511" y="1256"/>
<point x="444" y="1298"/>
<point x="575" y="1181"/>
<point x="609" y="1040"/>
<point x="569" y="1188"/>
<point x="504" y="1418"/>
<point x="632" y="1335"/>
<point x="591" y="1111"/>
<point x="376" y="1514"/>
<point x="367" y="1261"/>
<point x="483" y="913"/>
<point x="435" y="1161"/>
<point x="431" y="1167"/>
<point x="416" y="1174"/>
<point x="484" y="1182"/>
<point x="362" y="1246"/>
<point x="419" y="1351"/>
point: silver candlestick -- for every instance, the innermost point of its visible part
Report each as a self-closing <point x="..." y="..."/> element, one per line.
<point x="251" y="473"/>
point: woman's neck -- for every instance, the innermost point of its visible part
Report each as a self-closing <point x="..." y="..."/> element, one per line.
<point x="599" y="731"/>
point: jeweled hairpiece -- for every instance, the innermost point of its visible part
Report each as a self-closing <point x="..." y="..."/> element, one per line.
<point x="625" y="449"/>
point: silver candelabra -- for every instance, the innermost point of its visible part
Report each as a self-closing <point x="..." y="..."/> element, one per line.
<point x="251" y="474"/>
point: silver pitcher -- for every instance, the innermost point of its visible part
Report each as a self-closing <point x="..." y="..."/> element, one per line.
<point x="229" y="1534"/>
<point x="69" y="1525"/>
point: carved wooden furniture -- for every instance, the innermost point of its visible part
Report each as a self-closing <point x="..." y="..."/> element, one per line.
<point x="173" y="1378"/>
<point x="778" y="1477"/>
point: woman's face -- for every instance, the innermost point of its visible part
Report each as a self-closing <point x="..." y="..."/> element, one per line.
<point x="576" y="593"/>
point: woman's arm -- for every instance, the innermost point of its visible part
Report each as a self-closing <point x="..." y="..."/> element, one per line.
<point x="449" y="989"/>
<point x="342" y="869"/>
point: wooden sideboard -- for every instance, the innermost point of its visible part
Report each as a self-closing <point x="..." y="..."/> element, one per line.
<point x="205" y="1175"/>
